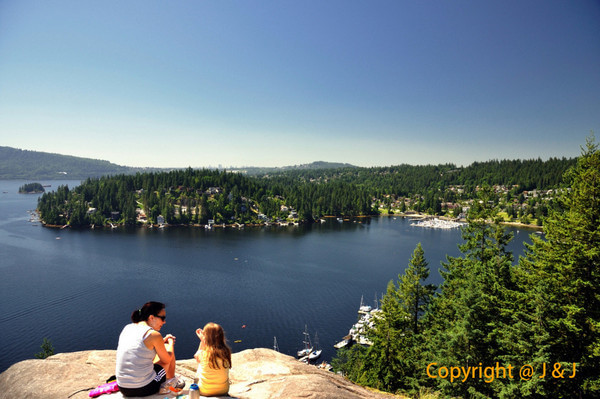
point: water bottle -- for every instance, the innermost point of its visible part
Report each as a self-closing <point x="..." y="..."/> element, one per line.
<point x="194" y="391"/>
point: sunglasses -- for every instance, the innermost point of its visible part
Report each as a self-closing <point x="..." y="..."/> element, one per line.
<point x="163" y="318"/>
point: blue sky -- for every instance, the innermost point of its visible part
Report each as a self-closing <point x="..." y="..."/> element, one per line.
<point x="274" y="83"/>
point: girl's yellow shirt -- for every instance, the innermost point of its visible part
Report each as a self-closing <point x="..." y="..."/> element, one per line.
<point x="211" y="381"/>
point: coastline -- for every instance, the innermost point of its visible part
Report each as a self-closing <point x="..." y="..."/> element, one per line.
<point x="423" y="216"/>
<point x="523" y="226"/>
<point x="419" y="216"/>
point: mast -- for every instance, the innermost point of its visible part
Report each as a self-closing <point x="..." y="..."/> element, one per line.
<point x="307" y="343"/>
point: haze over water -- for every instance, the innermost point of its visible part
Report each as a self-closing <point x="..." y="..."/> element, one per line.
<point x="79" y="287"/>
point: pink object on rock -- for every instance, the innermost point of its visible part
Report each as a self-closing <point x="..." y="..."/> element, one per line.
<point x="104" y="388"/>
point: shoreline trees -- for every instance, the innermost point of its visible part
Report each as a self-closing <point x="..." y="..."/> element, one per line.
<point x="196" y="196"/>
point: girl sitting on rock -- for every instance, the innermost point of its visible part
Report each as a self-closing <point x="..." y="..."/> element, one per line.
<point x="214" y="361"/>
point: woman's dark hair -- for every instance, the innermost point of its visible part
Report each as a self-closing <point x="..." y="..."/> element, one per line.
<point x="149" y="309"/>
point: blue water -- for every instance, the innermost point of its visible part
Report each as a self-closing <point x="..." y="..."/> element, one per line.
<point x="79" y="287"/>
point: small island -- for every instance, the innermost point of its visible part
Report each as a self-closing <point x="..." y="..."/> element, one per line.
<point x="31" y="188"/>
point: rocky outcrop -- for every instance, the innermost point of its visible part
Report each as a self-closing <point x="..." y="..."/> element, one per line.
<point x="256" y="373"/>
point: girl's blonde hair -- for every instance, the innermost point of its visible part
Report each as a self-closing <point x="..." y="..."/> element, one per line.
<point x="216" y="345"/>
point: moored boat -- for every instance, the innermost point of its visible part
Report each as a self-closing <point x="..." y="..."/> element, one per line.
<point x="316" y="353"/>
<point x="325" y="366"/>
<point x="307" y="345"/>
<point x="363" y="309"/>
<point x="344" y="342"/>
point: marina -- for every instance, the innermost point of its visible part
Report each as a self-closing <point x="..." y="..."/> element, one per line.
<point x="358" y="333"/>
<point x="436" y="223"/>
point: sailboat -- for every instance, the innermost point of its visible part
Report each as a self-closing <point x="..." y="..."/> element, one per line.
<point x="275" y="346"/>
<point x="307" y="344"/>
<point x="317" y="352"/>
<point x="363" y="309"/>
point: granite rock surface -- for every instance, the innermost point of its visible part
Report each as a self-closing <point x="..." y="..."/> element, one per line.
<point x="256" y="373"/>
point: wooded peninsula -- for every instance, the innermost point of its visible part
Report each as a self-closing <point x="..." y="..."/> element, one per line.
<point x="523" y="190"/>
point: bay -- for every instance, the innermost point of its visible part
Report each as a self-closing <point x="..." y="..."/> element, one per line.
<point x="79" y="287"/>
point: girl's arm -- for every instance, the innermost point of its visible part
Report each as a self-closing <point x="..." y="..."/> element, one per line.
<point x="202" y="345"/>
<point x="198" y="355"/>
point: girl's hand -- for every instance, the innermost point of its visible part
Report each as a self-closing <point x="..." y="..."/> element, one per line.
<point x="199" y="333"/>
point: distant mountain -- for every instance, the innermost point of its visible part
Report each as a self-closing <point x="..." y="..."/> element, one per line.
<point x="29" y="165"/>
<point x="257" y="170"/>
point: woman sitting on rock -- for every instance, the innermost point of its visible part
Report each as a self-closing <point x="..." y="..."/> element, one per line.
<point x="145" y="359"/>
<point x="214" y="361"/>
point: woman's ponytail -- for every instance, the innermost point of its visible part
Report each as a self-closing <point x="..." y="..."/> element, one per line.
<point x="149" y="309"/>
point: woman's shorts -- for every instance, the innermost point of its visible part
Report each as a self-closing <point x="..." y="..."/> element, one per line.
<point x="152" y="387"/>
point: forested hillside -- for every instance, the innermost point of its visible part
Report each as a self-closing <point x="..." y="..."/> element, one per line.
<point x="404" y="180"/>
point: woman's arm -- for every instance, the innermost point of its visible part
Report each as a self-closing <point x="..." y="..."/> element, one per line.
<point x="163" y="347"/>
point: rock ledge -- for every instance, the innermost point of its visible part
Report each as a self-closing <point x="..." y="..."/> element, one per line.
<point x="256" y="373"/>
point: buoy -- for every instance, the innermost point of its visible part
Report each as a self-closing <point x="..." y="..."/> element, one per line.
<point x="243" y="326"/>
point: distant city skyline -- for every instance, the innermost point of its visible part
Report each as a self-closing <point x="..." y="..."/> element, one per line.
<point x="280" y="83"/>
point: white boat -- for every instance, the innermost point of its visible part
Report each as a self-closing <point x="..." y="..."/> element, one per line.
<point x="315" y="354"/>
<point x="317" y="351"/>
<point x="343" y="343"/>
<point x="307" y="349"/>
<point x="275" y="346"/>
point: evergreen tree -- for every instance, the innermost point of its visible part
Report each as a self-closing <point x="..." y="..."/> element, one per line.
<point x="392" y="363"/>
<point x="412" y="292"/>
<point x="559" y="282"/>
<point x="471" y="310"/>
<point x="47" y="349"/>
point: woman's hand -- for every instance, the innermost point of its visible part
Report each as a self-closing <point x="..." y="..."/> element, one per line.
<point x="169" y="337"/>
